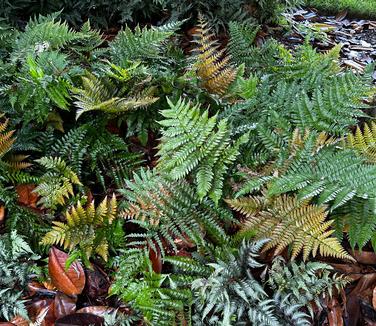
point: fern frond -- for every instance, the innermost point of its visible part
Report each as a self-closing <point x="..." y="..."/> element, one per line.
<point x="195" y="142"/>
<point x="85" y="228"/>
<point x="364" y="141"/>
<point x="140" y="44"/>
<point x="169" y="210"/>
<point x="287" y="221"/>
<point x="102" y="95"/>
<point x="212" y="65"/>
<point x="56" y="185"/>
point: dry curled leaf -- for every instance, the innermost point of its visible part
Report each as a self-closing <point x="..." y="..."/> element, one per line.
<point x="71" y="281"/>
<point x="64" y="305"/>
<point x="26" y="196"/>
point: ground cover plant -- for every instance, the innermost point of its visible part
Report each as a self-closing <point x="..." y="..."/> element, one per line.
<point x="182" y="173"/>
<point x="361" y="8"/>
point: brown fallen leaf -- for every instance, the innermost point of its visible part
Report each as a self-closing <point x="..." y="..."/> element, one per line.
<point x="19" y="321"/>
<point x="365" y="257"/>
<point x="71" y="281"/>
<point x="82" y="319"/>
<point x="374" y="298"/>
<point x="365" y="285"/>
<point x="97" y="285"/>
<point x="156" y="260"/>
<point x="42" y="308"/>
<point x="2" y="213"/>
<point x="64" y="305"/>
<point x="26" y="196"/>
<point x="334" y="312"/>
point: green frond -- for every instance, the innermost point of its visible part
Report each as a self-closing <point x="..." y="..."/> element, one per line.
<point x="193" y="142"/>
<point x="140" y="44"/>
<point x="56" y="185"/>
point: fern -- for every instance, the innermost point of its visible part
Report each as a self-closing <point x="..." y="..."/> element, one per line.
<point x="155" y="295"/>
<point x="364" y="142"/>
<point x="170" y="210"/>
<point x="313" y="166"/>
<point x="15" y="263"/>
<point x="45" y="32"/>
<point x="193" y="142"/>
<point x="103" y="95"/>
<point x="86" y="228"/>
<point x="357" y="218"/>
<point x="212" y="65"/>
<point x="286" y="220"/>
<point x="56" y="185"/>
<point x="304" y="283"/>
<point x="141" y="44"/>
<point x="232" y="294"/>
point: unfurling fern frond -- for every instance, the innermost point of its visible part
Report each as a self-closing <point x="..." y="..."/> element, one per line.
<point x="56" y="185"/>
<point x="193" y="142"/>
<point x="287" y="221"/>
<point x="85" y="228"/>
<point x="212" y="65"/>
<point x="364" y="141"/>
<point x="170" y="210"/>
<point x="103" y="95"/>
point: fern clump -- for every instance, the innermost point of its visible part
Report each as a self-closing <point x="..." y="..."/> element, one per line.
<point x="232" y="294"/>
<point x="208" y="154"/>
<point x="153" y="294"/>
<point x="86" y="229"/>
<point x="170" y="210"/>
<point x="304" y="283"/>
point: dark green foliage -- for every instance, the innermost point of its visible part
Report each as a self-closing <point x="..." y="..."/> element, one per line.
<point x="153" y="294"/>
<point x="136" y="116"/>
<point x="208" y="154"/>
<point x="168" y="210"/>
<point x="16" y="258"/>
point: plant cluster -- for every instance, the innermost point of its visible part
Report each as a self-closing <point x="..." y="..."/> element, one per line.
<point x="179" y="172"/>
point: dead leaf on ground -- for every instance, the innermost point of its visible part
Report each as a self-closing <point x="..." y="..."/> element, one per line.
<point x="26" y="196"/>
<point x="64" y="305"/>
<point x="334" y="312"/>
<point x="71" y="281"/>
<point x="81" y="319"/>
